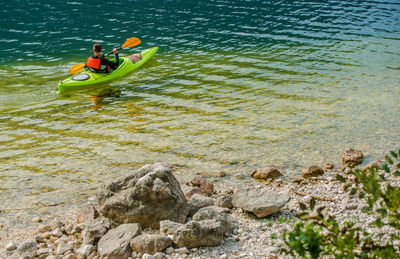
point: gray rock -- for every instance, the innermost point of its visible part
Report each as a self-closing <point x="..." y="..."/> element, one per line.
<point x="266" y="173"/>
<point x="312" y="171"/>
<point x="202" y="183"/>
<point x="260" y="203"/>
<point x="352" y="158"/>
<point x="159" y="255"/>
<point x="168" y="227"/>
<point x="95" y="230"/>
<point x="199" y="233"/>
<point x="27" y="246"/>
<point x="63" y="247"/>
<point x="87" y="212"/>
<point x="188" y="191"/>
<point x="227" y="221"/>
<point x="224" y="201"/>
<point x="85" y="250"/>
<point x="169" y="250"/>
<point x="146" y="196"/>
<point x="150" y="244"/>
<point x="115" y="243"/>
<point x="11" y="246"/>
<point x="199" y="201"/>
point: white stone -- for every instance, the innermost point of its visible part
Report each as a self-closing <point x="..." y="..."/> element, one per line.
<point x="147" y="256"/>
<point x="57" y="232"/>
<point x="11" y="246"/>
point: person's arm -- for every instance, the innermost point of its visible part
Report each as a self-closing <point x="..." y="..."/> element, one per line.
<point x="113" y="65"/>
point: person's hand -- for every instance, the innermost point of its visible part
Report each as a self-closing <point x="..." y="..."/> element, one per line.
<point x="115" y="51"/>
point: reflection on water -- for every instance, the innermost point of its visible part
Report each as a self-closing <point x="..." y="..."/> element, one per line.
<point x="233" y="87"/>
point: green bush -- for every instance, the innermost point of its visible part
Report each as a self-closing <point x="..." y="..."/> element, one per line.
<point x="318" y="235"/>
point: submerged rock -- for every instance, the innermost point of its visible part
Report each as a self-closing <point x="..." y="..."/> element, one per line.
<point x="351" y="158"/>
<point x="260" y="203"/>
<point x="312" y="171"/>
<point x="266" y="173"/>
<point x="146" y="196"/>
<point x="202" y="183"/>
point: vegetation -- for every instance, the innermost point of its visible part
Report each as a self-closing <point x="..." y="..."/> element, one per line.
<point x="318" y="234"/>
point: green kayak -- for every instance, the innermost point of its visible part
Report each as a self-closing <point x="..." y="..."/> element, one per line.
<point x="87" y="78"/>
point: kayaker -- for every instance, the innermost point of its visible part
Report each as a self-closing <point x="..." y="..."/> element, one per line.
<point x="96" y="61"/>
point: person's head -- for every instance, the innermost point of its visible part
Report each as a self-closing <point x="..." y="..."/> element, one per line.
<point x="97" y="48"/>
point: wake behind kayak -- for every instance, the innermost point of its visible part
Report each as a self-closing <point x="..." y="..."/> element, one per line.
<point x="87" y="78"/>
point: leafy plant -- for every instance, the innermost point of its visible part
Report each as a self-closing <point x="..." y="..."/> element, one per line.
<point x="318" y="234"/>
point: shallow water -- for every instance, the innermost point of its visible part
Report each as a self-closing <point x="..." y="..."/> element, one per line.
<point x="235" y="85"/>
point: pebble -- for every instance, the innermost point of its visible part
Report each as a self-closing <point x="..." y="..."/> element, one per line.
<point x="63" y="247"/>
<point x="45" y="228"/>
<point x="43" y="251"/>
<point x="11" y="246"/>
<point x="182" y="250"/>
<point x="57" y="232"/>
<point x="170" y="250"/>
<point x="148" y="256"/>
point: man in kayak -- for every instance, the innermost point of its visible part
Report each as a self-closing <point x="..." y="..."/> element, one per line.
<point x="96" y="61"/>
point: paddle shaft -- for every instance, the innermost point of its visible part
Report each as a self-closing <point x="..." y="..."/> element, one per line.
<point x="112" y="52"/>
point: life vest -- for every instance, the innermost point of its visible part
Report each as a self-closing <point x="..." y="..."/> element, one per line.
<point x="94" y="64"/>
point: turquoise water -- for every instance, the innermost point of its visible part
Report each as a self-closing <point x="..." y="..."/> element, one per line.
<point x="235" y="85"/>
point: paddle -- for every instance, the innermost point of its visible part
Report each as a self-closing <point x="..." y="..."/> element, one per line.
<point x="129" y="43"/>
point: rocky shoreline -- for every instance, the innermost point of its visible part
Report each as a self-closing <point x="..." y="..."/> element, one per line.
<point x="149" y="214"/>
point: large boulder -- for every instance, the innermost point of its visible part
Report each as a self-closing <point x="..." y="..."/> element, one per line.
<point x="199" y="233"/>
<point x="352" y="158"/>
<point x="260" y="203"/>
<point x="146" y="196"/>
<point x="115" y="243"/>
<point x="150" y="244"/>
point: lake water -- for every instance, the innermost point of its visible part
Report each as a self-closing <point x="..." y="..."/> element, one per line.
<point x="235" y="85"/>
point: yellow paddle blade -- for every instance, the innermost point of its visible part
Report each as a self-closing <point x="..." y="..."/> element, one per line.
<point x="75" y="69"/>
<point x="131" y="42"/>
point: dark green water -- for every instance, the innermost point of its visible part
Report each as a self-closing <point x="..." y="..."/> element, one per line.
<point x="235" y="85"/>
